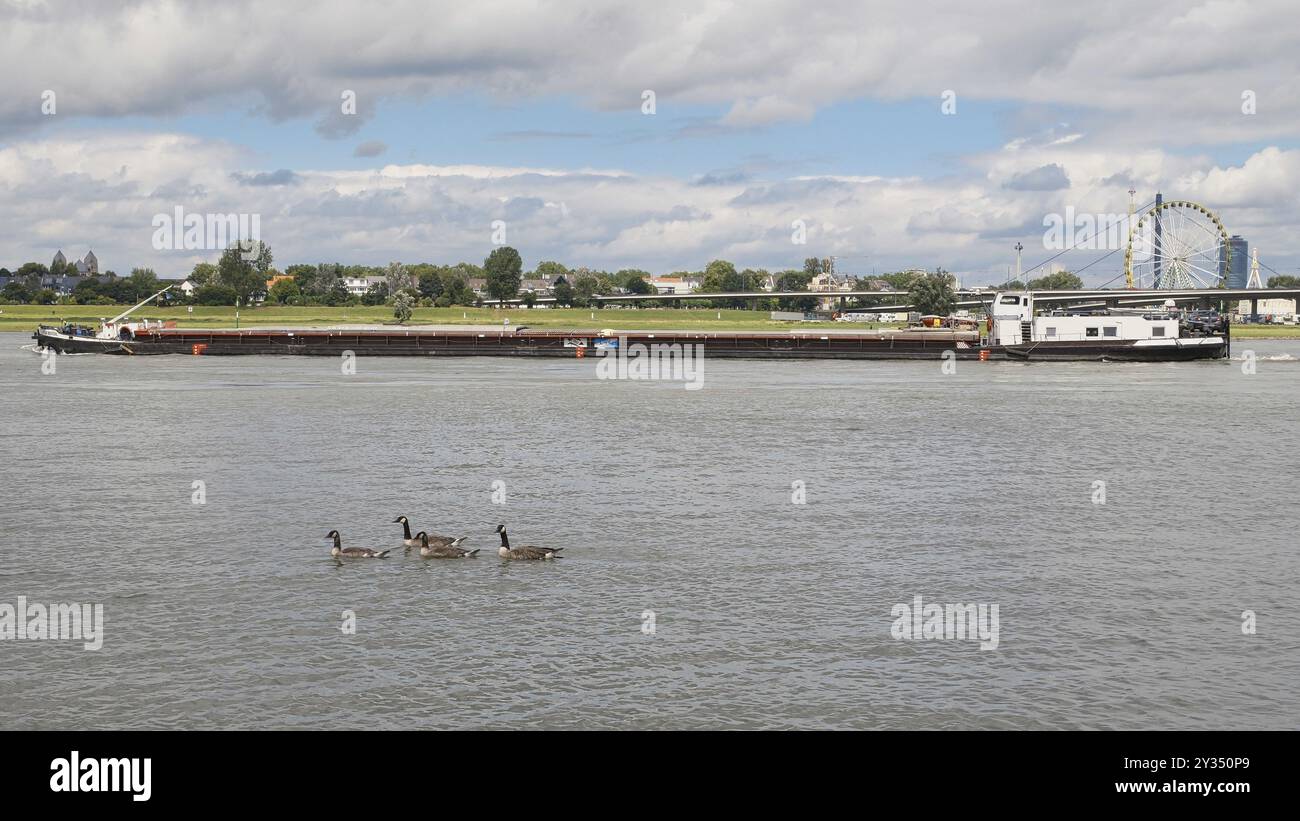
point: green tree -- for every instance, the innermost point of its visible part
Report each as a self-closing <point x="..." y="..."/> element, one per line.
<point x="456" y="291"/>
<point x="1283" y="281"/>
<point x="797" y="281"/>
<point x="399" y="278"/>
<point x="215" y="295"/>
<point x="933" y="293"/>
<point x="605" y="282"/>
<point x="16" y="293"/>
<point x="86" y="292"/>
<point x="550" y="271"/>
<point x="563" y="292"/>
<point x="337" y="294"/>
<point x="430" y="284"/>
<point x="901" y="280"/>
<point x="634" y="281"/>
<point x="30" y="274"/>
<point x="585" y="286"/>
<point x="503" y="269"/>
<point x="720" y="276"/>
<point x="143" y="282"/>
<point x="244" y="269"/>
<point x="402" y="304"/>
<point x="529" y="298"/>
<point x="284" y="291"/>
<point x="716" y="275"/>
<point x="326" y="283"/>
<point x="468" y="270"/>
<point x="303" y="276"/>
<point x="1059" y="281"/>
<point x="204" y="273"/>
<point x="376" y="294"/>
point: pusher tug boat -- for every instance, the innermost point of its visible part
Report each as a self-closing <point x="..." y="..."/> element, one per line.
<point x="1116" y="335"/>
<point x="114" y="335"/>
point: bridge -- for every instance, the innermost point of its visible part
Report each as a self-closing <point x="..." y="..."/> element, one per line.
<point x="895" y="301"/>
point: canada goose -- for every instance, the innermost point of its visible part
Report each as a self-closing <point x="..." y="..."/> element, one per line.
<point x="442" y="551"/>
<point x="434" y="540"/>
<point x="352" y="552"/>
<point x="528" y="551"/>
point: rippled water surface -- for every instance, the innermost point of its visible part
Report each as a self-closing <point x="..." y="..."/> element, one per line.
<point x="974" y="487"/>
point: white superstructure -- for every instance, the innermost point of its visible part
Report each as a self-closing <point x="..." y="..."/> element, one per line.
<point x="1014" y="323"/>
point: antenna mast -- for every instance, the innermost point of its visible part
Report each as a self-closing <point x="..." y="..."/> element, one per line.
<point x="1132" y="206"/>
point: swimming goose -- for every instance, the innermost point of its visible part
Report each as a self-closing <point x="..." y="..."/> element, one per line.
<point x="442" y="551"/>
<point x="352" y="552"/>
<point x="528" y="551"/>
<point x="435" y="540"/>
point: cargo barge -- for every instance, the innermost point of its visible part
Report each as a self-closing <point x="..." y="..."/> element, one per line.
<point x="1013" y="333"/>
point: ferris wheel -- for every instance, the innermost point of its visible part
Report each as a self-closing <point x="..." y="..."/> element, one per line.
<point x="1177" y="244"/>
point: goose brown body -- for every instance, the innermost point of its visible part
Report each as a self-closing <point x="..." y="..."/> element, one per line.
<point x="434" y="539"/>
<point x="352" y="552"/>
<point x="448" y="550"/>
<point x="527" y="552"/>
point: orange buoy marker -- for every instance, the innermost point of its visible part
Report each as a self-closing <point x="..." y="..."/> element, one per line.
<point x="984" y="354"/>
<point x="581" y="352"/>
<point x="198" y="348"/>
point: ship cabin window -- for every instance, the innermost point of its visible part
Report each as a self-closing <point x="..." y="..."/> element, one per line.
<point x="1158" y="330"/>
<point x="1110" y="330"/>
<point x="1090" y="332"/>
<point x="1009" y="300"/>
<point x="1051" y="331"/>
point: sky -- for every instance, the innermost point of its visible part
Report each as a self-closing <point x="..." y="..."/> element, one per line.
<point x="889" y="135"/>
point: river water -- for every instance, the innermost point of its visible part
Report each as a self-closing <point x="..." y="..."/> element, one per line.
<point x="766" y="526"/>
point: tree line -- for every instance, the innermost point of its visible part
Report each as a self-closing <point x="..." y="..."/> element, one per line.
<point x="241" y="274"/>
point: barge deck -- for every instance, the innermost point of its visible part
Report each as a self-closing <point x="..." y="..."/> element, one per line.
<point x="906" y="344"/>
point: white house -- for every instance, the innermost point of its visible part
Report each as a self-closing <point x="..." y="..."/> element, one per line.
<point x="359" y="286"/>
<point x="828" y="282"/>
<point x="675" y="285"/>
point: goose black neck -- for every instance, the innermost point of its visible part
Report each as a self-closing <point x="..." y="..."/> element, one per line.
<point x="505" y="542"/>
<point x="337" y="541"/>
<point x="406" y="529"/>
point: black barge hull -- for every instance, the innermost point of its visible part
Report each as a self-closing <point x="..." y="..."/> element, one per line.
<point x="925" y="345"/>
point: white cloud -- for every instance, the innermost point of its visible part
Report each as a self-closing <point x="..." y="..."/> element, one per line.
<point x="766" y="110"/>
<point x="104" y="191"/>
<point x="1138" y="85"/>
<point x="1137" y="72"/>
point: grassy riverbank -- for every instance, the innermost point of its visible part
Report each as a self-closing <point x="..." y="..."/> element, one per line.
<point x="1265" y="331"/>
<point x="27" y="317"/>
